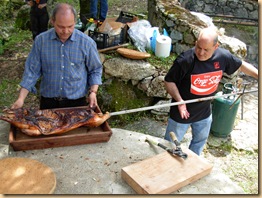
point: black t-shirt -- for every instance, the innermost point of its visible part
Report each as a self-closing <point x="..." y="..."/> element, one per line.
<point x="196" y="79"/>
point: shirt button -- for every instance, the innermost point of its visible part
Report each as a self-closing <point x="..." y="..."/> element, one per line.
<point x="62" y="78"/>
<point x="63" y="55"/>
<point x="63" y="66"/>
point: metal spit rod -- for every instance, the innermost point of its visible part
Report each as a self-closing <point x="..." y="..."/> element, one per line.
<point x="178" y="103"/>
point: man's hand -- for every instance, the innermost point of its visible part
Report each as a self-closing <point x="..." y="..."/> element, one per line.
<point x="31" y="3"/>
<point x="18" y="104"/>
<point x="92" y="100"/>
<point x="40" y="6"/>
<point x="183" y="111"/>
<point x="21" y="99"/>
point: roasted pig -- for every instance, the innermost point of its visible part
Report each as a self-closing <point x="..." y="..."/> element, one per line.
<point x="34" y="122"/>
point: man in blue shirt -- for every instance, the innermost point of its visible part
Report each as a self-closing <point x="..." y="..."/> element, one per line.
<point x="66" y="60"/>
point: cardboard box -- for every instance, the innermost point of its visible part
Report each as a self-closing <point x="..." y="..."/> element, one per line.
<point x="111" y="25"/>
<point x="110" y="33"/>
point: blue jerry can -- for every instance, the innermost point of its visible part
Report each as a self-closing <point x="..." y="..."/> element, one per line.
<point x="223" y="114"/>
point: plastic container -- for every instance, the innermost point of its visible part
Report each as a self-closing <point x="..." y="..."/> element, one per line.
<point x="79" y="24"/>
<point x="103" y="40"/>
<point x="223" y="114"/>
<point x="125" y="17"/>
<point x="91" y="25"/>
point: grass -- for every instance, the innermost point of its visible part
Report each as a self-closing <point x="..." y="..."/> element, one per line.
<point x="241" y="171"/>
<point x="15" y="46"/>
<point x="17" y="42"/>
<point x="8" y="91"/>
<point x="162" y="63"/>
<point x="132" y="8"/>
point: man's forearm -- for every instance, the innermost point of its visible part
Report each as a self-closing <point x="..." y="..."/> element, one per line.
<point x="173" y="91"/>
<point x="249" y="69"/>
<point x="23" y="94"/>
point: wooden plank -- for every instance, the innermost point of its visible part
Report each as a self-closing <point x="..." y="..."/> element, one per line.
<point x="235" y="22"/>
<point x="164" y="173"/>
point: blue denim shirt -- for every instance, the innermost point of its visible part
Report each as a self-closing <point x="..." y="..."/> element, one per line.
<point x="66" y="69"/>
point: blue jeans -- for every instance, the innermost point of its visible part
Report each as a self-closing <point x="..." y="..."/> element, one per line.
<point x="94" y="9"/>
<point x="200" y="132"/>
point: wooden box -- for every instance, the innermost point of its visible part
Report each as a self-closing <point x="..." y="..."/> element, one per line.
<point x="82" y="135"/>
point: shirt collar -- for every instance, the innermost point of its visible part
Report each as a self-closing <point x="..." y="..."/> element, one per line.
<point x="54" y="36"/>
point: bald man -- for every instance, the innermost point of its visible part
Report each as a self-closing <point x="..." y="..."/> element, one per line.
<point x="68" y="63"/>
<point x="194" y="74"/>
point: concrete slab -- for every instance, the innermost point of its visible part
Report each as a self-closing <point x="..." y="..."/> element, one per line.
<point x="96" y="168"/>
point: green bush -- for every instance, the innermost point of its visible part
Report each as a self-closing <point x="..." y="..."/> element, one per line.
<point x="22" y="20"/>
<point x="1" y="46"/>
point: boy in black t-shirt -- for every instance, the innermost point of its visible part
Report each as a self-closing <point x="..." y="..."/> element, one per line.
<point x="196" y="73"/>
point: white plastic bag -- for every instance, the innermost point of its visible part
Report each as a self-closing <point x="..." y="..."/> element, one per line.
<point x="137" y="33"/>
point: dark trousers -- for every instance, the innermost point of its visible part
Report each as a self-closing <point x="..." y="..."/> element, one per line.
<point x="52" y="103"/>
<point x="39" y="21"/>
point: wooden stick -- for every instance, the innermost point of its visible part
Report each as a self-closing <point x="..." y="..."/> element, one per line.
<point x="113" y="47"/>
<point x="235" y="22"/>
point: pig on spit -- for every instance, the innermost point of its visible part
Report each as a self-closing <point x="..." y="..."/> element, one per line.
<point x="35" y="122"/>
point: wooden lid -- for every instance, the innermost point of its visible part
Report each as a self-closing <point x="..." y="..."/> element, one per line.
<point x="25" y="176"/>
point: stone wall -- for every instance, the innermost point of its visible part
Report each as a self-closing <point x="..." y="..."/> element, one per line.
<point x="175" y="20"/>
<point x="183" y="27"/>
<point x="238" y="8"/>
<point x="243" y="9"/>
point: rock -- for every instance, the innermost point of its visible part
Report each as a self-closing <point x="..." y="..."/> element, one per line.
<point x="157" y="88"/>
<point x="163" y="110"/>
<point x="234" y="45"/>
<point x="127" y="69"/>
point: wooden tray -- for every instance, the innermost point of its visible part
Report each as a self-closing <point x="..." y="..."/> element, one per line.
<point x="82" y="135"/>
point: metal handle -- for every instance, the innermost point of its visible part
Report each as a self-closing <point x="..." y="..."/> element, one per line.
<point x="156" y="143"/>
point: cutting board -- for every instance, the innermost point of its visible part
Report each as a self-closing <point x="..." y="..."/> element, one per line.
<point x="165" y="173"/>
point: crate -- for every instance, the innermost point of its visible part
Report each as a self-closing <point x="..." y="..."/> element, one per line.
<point x="125" y="17"/>
<point x="103" y="40"/>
